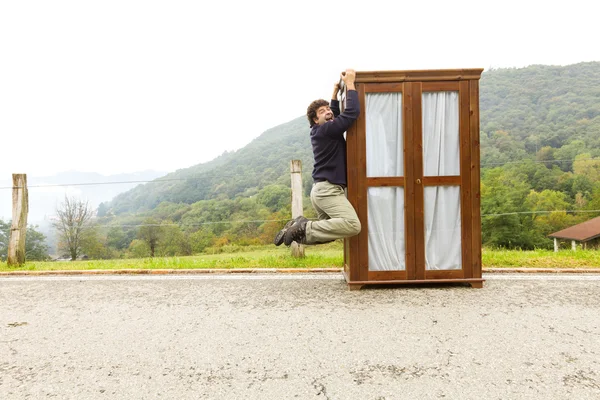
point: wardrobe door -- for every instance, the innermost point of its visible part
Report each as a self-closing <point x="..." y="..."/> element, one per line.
<point x="440" y="199"/>
<point x="383" y="181"/>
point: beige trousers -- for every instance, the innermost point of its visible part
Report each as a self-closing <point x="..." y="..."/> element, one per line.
<point x="337" y="217"/>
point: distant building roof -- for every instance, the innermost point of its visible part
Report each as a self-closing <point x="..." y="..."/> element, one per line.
<point x="583" y="232"/>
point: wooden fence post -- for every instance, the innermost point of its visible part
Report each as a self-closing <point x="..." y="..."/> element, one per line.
<point x="18" y="229"/>
<point x="296" y="173"/>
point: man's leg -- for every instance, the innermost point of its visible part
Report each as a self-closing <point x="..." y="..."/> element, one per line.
<point x="320" y="213"/>
<point x="330" y="200"/>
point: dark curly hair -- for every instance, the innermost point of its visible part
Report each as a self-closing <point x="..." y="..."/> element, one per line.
<point x="311" y="111"/>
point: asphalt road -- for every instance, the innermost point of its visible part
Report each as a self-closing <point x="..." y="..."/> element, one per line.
<point x="298" y="337"/>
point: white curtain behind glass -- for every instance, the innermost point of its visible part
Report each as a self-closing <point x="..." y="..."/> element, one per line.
<point x="386" y="229"/>
<point x="442" y="228"/>
<point x="385" y="157"/>
<point x="440" y="134"/>
<point x="385" y="142"/>
<point x="441" y="157"/>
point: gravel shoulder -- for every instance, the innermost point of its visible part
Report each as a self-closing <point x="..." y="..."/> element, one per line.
<point x="298" y="336"/>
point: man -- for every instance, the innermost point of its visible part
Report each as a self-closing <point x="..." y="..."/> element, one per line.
<point x="337" y="217"/>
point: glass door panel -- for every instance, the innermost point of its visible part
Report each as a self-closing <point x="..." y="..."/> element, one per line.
<point x="443" y="250"/>
<point x="441" y="144"/>
<point x="387" y="247"/>
<point x="385" y="142"/>
<point x="385" y="158"/>
<point x="441" y="157"/>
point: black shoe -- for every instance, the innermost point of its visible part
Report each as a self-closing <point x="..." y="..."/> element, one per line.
<point x="279" y="237"/>
<point x="296" y="233"/>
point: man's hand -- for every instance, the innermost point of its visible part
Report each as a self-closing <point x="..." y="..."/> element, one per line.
<point x="348" y="77"/>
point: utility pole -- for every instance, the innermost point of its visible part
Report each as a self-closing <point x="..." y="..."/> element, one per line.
<point x="297" y="210"/>
<point x="18" y="229"/>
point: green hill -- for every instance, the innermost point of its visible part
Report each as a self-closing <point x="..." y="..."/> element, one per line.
<point x="526" y="109"/>
<point x="522" y="111"/>
<point x="264" y="161"/>
<point x="540" y="152"/>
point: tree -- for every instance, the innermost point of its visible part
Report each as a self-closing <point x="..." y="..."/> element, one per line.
<point x="594" y="203"/>
<point x="95" y="245"/>
<point x="568" y="152"/>
<point x="583" y="184"/>
<point x="138" y="249"/>
<point x="275" y="197"/>
<point x="151" y="233"/>
<point x="585" y="165"/>
<point x="118" y="239"/>
<point x="35" y="243"/>
<point x="174" y="242"/>
<point x="4" y="238"/>
<point x="546" y="223"/>
<point x="102" y="210"/>
<point x="503" y="191"/>
<point x="545" y="155"/>
<point x="72" y="221"/>
<point x="201" y="239"/>
<point x="36" y="248"/>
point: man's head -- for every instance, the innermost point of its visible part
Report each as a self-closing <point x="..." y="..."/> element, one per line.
<point x="319" y="112"/>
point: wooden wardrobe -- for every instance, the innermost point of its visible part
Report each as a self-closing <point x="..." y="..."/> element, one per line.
<point x="413" y="177"/>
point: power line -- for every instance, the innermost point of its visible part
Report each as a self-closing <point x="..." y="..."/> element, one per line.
<point x="87" y="184"/>
<point x="304" y="173"/>
<point x="124" y="182"/>
<point x="536" y="161"/>
<point x="198" y="224"/>
<point x="192" y="224"/>
<point x="539" y="212"/>
<point x="281" y="220"/>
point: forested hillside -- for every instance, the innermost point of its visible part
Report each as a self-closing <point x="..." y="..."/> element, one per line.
<point x="264" y="161"/>
<point x="540" y="151"/>
<point x="534" y="112"/>
<point x="540" y="145"/>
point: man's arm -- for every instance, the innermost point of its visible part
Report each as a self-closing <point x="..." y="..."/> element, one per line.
<point x="341" y="124"/>
<point x="335" y="104"/>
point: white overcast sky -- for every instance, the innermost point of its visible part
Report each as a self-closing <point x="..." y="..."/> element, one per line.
<point x="122" y="86"/>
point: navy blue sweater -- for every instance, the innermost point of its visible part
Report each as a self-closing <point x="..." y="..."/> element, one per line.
<point x="328" y="143"/>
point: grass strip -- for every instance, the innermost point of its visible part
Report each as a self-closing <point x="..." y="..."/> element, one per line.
<point x="326" y="256"/>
